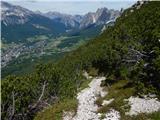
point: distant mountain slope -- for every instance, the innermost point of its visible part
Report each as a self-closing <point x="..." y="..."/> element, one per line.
<point x="19" y="23"/>
<point x="70" y="21"/>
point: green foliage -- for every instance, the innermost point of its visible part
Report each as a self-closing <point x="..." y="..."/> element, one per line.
<point x="93" y="72"/>
<point x="23" y="94"/>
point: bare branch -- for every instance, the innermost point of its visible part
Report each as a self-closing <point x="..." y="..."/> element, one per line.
<point x="138" y="52"/>
<point x="39" y="99"/>
<point x="130" y="61"/>
<point x="43" y="89"/>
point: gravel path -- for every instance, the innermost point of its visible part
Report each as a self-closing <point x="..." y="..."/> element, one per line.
<point x="112" y="115"/>
<point x="86" y="103"/>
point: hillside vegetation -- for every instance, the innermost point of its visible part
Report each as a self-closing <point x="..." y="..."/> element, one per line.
<point x="130" y="50"/>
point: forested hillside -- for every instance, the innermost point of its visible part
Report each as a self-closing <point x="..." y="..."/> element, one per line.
<point x="128" y="50"/>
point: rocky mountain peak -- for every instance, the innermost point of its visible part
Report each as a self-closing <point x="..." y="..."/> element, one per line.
<point x="100" y="10"/>
<point x="101" y="16"/>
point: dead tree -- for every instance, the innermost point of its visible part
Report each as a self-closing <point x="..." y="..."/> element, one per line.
<point x="33" y="107"/>
<point x="43" y="89"/>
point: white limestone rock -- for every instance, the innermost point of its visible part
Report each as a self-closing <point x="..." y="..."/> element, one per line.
<point x="143" y="105"/>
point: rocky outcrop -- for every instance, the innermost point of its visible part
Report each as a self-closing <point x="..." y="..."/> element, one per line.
<point x="100" y="17"/>
<point x="143" y="105"/>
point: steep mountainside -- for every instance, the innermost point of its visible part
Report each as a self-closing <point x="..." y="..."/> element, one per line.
<point x="129" y="50"/>
<point x="19" y="23"/>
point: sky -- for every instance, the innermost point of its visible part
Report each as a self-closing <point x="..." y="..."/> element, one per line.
<point x="72" y="6"/>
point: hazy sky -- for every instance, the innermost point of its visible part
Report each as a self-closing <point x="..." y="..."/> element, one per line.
<point x="72" y="6"/>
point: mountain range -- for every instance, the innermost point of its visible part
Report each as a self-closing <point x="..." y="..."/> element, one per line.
<point x="19" y="23"/>
<point x="101" y="16"/>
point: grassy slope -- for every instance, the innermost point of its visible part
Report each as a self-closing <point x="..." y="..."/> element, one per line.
<point x="55" y="112"/>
